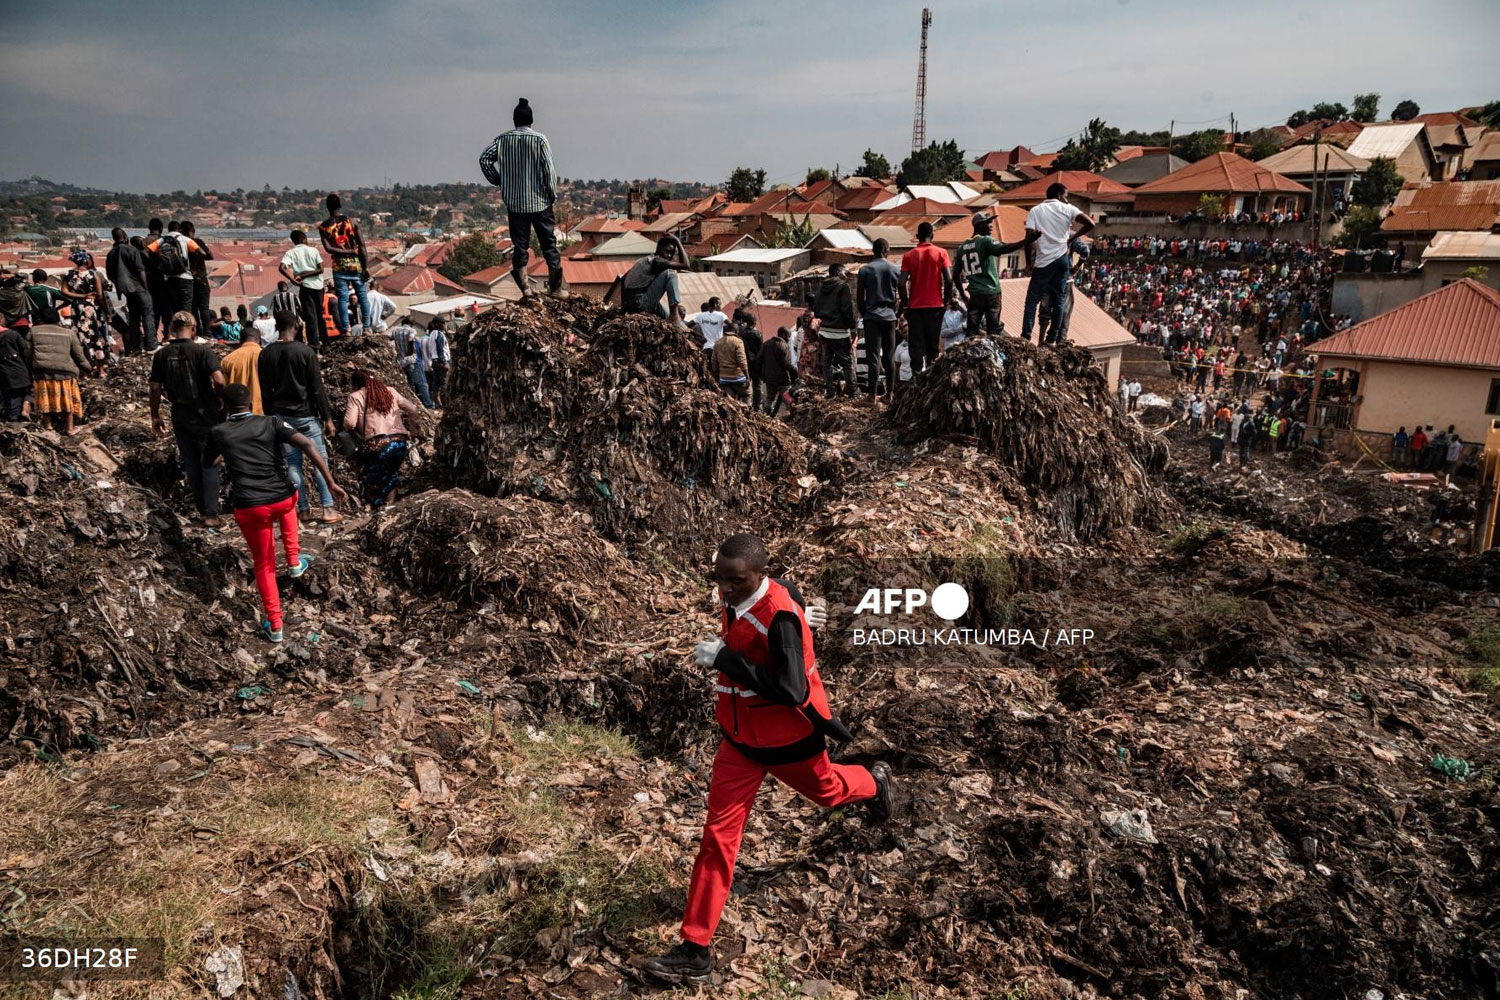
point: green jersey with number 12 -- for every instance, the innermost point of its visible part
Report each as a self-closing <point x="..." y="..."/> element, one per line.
<point x="976" y="262"/>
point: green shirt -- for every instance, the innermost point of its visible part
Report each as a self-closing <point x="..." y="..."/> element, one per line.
<point x="976" y="262"/>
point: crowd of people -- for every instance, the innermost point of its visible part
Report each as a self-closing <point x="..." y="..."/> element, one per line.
<point x="1191" y="293"/>
<point x="235" y="393"/>
<point x="876" y="333"/>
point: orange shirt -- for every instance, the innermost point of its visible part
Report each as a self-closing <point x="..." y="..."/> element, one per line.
<point x="242" y="366"/>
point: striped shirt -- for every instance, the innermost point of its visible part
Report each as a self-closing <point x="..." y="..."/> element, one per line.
<point x="519" y="162"/>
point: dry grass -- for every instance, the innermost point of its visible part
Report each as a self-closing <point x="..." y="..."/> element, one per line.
<point x="107" y="850"/>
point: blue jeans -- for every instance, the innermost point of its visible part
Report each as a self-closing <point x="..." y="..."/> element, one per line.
<point x="1050" y="282"/>
<point x="310" y="427"/>
<point x="341" y="284"/>
<point x="417" y="379"/>
<point x="649" y="301"/>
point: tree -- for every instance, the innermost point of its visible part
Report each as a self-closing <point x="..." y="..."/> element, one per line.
<point x="474" y="252"/>
<point x="1297" y="118"/>
<point x="656" y="196"/>
<point x="1211" y="205"/>
<point x="745" y="184"/>
<point x="874" y="165"/>
<point x="1489" y="115"/>
<point x="1379" y="184"/>
<point x="1196" y="145"/>
<point x="1329" y="112"/>
<point x="1091" y="150"/>
<point x="1263" y="143"/>
<point x="1478" y="272"/>
<point x="815" y="174"/>
<point x="1405" y="111"/>
<point x="1138" y="138"/>
<point x="794" y="234"/>
<point x="937" y="164"/>
<point x="1366" y="107"/>
<point x="1361" y="226"/>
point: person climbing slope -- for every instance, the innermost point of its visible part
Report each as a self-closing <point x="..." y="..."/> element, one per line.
<point x="774" y="717"/>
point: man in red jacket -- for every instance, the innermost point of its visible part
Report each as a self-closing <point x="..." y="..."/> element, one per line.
<point x="774" y="716"/>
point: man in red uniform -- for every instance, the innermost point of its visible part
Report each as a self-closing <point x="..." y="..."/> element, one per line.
<point x="774" y="715"/>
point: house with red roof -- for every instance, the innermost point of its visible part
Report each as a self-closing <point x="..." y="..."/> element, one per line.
<point x="1244" y="187"/>
<point x="998" y="165"/>
<point x="1338" y="132"/>
<point x="1009" y="227"/>
<point x="414" y="279"/>
<point x="1434" y="360"/>
<point x="1087" y="191"/>
<point x="859" y="203"/>
<point x="1423" y="212"/>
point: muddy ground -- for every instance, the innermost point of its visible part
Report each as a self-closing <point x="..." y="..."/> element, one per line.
<point x="477" y="767"/>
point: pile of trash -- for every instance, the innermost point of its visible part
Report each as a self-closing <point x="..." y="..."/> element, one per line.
<point x="568" y="402"/>
<point x="1048" y="415"/>
<point x="478" y="763"/>
<point x="542" y="563"/>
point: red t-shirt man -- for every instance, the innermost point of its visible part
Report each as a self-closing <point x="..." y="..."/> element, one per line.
<point x="926" y="275"/>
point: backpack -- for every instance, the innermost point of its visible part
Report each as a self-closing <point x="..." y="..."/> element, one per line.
<point x="15" y="304"/>
<point x="180" y="376"/>
<point x="170" y="257"/>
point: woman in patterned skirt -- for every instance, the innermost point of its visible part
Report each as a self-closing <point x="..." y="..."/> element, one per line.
<point x="84" y="290"/>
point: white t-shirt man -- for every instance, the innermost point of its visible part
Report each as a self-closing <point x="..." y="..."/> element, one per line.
<point x="381" y="309"/>
<point x="302" y="259"/>
<point x="901" y="359"/>
<point x="1053" y="218"/>
<point x="711" y="325"/>
<point x="265" y="327"/>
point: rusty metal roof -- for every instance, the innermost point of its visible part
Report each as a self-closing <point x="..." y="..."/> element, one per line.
<point x="1457" y="325"/>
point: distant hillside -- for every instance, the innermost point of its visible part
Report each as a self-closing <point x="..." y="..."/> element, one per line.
<point x="31" y="186"/>
<point x="39" y="205"/>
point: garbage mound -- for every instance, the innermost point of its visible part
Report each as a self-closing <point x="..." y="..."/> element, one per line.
<point x="568" y="401"/>
<point x="1048" y="415"/>
<point x="93" y="574"/>
<point x="531" y="559"/>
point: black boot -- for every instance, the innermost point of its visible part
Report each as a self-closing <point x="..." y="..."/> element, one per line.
<point x="523" y="282"/>
<point x="554" y="285"/>
<point x="885" y="804"/>
<point x="686" y="963"/>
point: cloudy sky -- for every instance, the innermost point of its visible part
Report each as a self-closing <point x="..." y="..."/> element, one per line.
<point x="155" y="96"/>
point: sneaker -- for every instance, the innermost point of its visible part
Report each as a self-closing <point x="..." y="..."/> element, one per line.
<point x="268" y="633"/>
<point x="304" y="563"/>
<point x="686" y="963"/>
<point x="884" y="804"/>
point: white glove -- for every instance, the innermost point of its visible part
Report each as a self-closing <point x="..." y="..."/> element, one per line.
<point x="816" y="615"/>
<point x="707" y="651"/>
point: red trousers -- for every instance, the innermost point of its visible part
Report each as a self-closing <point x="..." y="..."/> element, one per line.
<point x="731" y="793"/>
<point x="255" y="524"/>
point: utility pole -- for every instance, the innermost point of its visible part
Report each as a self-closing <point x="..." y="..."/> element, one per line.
<point x="1317" y="192"/>
<point x="1171" y="128"/>
<point x="919" y="120"/>
<point x="1234" y="133"/>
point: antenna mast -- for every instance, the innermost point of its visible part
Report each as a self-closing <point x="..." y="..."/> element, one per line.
<point x="919" y="121"/>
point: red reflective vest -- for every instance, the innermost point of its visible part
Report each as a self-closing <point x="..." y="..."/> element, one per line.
<point x="745" y="716"/>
